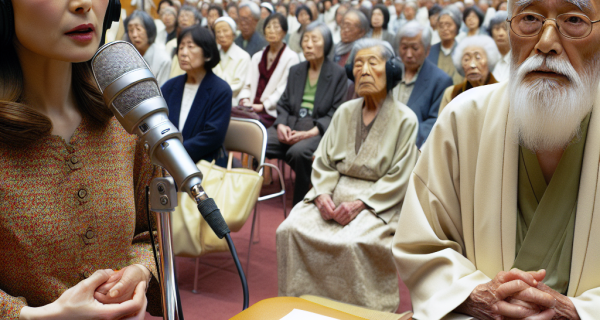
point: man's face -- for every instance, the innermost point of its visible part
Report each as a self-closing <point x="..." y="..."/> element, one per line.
<point x="247" y="22"/>
<point x="500" y="35"/>
<point x="412" y="52"/>
<point x="340" y="15"/>
<point x="409" y="13"/>
<point x="233" y="14"/>
<point x="446" y="28"/>
<point x="433" y="21"/>
<point x="369" y="72"/>
<point x="351" y="29"/>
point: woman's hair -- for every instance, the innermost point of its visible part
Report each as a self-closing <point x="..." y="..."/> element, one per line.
<point x="285" y="6"/>
<point x="20" y="125"/>
<point x="325" y="33"/>
<point x="386" y="15"/>
<point x="170" y="2"/>
<point x="484" y="42"/>
<point x="147" y="21"/>
<point x="478" y="12"/>
<point x="435" y="10"/>
<point x="302" y="7"/>
<point x="193" y="10"/>
<point x="282" y="21"/>
<point x="205" y="40"/>
<point x="232" y="5"/>
<point x="499" y="18"/>
<point x="454" y="14"/>
<point x="216" y="7"/>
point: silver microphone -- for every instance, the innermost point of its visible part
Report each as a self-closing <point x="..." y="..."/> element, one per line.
<point x="131" y="92"/>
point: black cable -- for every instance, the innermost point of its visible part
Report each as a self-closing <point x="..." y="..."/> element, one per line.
<point x="152" y="233"/>
<point x="239" y="268"/>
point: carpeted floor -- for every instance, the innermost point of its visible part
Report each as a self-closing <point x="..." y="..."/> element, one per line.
<point x="219" y="294"/>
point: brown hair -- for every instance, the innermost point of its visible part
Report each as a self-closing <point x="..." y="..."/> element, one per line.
<point x="20" y="125"/>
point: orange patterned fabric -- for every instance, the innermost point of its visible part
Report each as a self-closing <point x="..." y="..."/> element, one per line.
<point x="69" y="209"/>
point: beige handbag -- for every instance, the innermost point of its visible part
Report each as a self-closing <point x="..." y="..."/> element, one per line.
<point x="235" y="192"/>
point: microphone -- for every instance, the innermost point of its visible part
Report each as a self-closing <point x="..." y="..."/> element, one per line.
<point x="131" y="92"/>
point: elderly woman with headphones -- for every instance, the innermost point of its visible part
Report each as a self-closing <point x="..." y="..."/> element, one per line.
<point x="336" y="243"/>
<point x="72" y="184"/>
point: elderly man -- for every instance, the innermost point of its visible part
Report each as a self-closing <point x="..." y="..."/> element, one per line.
<point x="250" y="40"/>
<point x="499" y="32"/>
<point x="336" y="243"/>
<point x="354" y="26"/>
<point x="500" y="219"/>
<point x="423" y="83"/>
<point x="440" y="54"/>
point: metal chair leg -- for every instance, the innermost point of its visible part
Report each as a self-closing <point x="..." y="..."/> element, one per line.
<point x="257" y="238"/>
<point x="196" y="276"/>
<point x="284" y="206"/>
<point x="251" y="238"/>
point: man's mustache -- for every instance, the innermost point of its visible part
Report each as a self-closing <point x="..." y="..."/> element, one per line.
<point x="547" y="63"/>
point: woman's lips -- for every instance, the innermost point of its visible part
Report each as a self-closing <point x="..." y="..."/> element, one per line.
<point x="83" y="33"/>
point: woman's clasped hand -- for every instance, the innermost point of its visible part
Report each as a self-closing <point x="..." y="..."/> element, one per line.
<point x="106" y="294"/>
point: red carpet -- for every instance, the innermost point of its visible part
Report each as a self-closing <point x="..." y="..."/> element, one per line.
<point x="219" y="289"/>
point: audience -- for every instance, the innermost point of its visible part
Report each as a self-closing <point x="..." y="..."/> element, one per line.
<point x="214" y="13"/>
<point x="441" y="53"/>
<point x="423" y="83"/>
<point x="141" y="32"/>
<point x="168" y="16"/>
<point x="499" y="32"/>
<point x="188" y="16"/>
<point x="336" y="243"/>
<point x="315" y="89"/>
<point x="473" y="19"/>
<point x="269" y="71"/>
<point x="250" y="40"/>
<point x="339" y="15"/>
<point x="305" y="17"/>
<point x="199" y="101"/>
<point x="474" y="59"/>
<point x="434" y="14"/>
<point x="380" y="18"/>
<point x="355" y="25"/>
<point x="398" y="20"/>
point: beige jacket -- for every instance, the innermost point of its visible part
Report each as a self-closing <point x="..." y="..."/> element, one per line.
<point x="457" y="227"/>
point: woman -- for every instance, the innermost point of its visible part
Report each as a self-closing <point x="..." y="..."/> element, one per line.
<point x="62" y="240"/>
<point x="168" y="16"/>
<point x="315" y="89"/>
<point x="199" y="101"/>
<point x="141" y="32"/>
<point x="269" y="70"/>
<point x="380" y="17"/>
<point x="474" y="58"/>
<point x="473" y="19"/>
<point x="305" y="17"/>
<point x="441" y="54"/>
<point x="235" y="62"/>
<point x="232" y="12"/>
<point x="336" y="243"/>
<point x="214" y="13"/>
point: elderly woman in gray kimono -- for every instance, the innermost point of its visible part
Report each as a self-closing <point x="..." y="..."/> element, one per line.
<point x="336" y="243"/>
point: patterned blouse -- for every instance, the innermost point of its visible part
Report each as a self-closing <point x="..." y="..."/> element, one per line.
<point x="69" y="209"/>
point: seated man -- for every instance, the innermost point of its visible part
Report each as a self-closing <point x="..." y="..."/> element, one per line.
<point x="336" y="243"/>
<point x="423" y="83"/>
<point x="500" y="218"/>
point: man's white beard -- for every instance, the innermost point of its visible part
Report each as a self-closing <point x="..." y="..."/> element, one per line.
<point x="547" y="115"/>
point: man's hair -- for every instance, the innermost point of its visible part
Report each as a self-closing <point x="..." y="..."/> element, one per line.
<point x="499" y="18"/>
<point x="193" y="10"/>
<point x="454" y="14"/>
<point x="147" y="21"/>
<point x="412" y="4"/>
<point x="413" y="29"/>
<point x="364" y="22"/>
<point x="325" y="33"/>
<point x="481" y="41"/>
<point x="254" y="9"/>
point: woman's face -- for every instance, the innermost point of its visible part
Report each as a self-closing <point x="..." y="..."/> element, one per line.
<point x="369" y="72"/>
<point x="475" y="64"/>
<point x="303" y="18"/>
<point x="377" y="18"/>
<point x="59" y="29"/>
<point x="168" y="19"/>
<point x="138" y="35"/>
<point x="264" y="13"/>
<point x="313" y="45"/>
<point x="233" y="14"/>
<point x="212" y="16"/>
<point x="409" y="13"/>
<point x="186" y="19"/>
<point x="224" y="34"/>
<point x="273" y="32"/>
<point x="472" y="21"/>
<point x="190" y="55"/>
<point x="446" y="28"/>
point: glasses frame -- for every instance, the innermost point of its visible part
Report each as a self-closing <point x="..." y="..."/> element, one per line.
<point x="555" y="23"/>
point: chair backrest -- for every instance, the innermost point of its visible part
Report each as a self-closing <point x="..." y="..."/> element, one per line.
<point x="247" y="136"/>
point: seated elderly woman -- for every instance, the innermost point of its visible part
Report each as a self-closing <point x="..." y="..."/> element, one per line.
<point x="269" y="70"/>
<point x="199" y="102"/>
<point x="316" y="88"/>
<point x="474" y="59"/>
<point x="305" y="17"/>
<point x="235" y="62"/>
<point x="336" y="243"/>
<point x="141" y="32"/>
<point x="355" y="25"/>
<point x="380" y="18"/>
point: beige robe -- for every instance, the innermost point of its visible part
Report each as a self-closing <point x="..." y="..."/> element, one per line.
<point x="351" y="263"/>
<point x="459" y="219"/>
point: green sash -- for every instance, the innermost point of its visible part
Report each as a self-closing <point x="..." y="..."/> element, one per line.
<point x="546" y="213"/>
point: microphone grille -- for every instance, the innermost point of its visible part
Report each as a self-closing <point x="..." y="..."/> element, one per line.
<point x="115" y="60"/>
<point x="134" y="95"/>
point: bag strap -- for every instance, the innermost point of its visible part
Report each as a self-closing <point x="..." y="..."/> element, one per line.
<point x="229" y="161"/>
<point x="212" y="164"/>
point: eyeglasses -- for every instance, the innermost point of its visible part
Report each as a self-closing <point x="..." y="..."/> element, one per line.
<point x="570" y="25"/>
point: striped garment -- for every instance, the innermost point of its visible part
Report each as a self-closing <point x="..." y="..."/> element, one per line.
<point x="69" y="209"/>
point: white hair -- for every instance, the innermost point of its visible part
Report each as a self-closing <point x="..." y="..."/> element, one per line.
<point x="254" y="9"/>
<point x="480" y="41"/>
<point x="385" y="48"/>
<point x="581" y="4"/>
<point x="413" y="29"/>
<point x="546" y="113"/>
<point x="412" y="4"/>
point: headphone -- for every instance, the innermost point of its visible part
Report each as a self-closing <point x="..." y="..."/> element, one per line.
<point x="7" y="23"/>
<point x="393" y="72"/>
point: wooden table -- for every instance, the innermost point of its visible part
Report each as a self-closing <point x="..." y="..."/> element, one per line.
<point x="277" y="308"/>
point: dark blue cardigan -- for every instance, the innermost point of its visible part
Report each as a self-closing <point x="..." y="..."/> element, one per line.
<point x="208" y="120"/>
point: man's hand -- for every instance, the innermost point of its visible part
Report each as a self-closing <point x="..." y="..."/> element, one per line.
<point x="284" y="133"/>
<point x="121" y="285"/>
<point x="486" y="302"/>
<point x="347" y="211"/>
<point x="325" y="206"/>
<point x="564" y="308"/>
<point x="297" y="136"/>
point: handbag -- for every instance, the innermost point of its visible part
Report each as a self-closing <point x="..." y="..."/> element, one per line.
<point x="235" y="192"/>
<point x="246" y="112"/>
